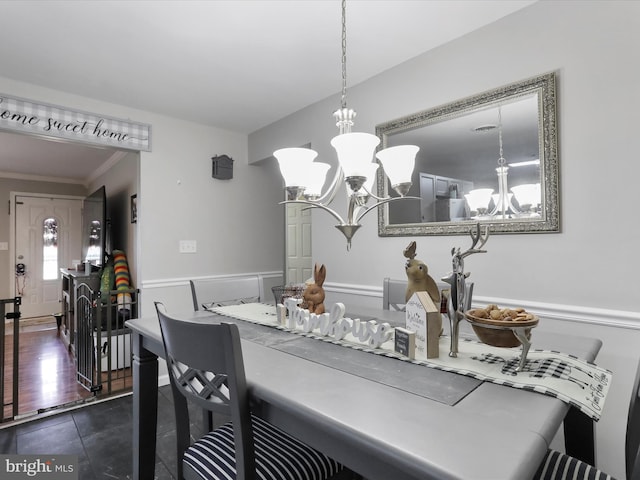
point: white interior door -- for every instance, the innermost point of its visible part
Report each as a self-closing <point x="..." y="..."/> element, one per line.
<point x="428" y="197"/>
<point x="299" y="266"/>
<point x="47" y="237"/>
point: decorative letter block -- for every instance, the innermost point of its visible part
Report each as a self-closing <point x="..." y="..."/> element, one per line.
<point x="423" y="318"/>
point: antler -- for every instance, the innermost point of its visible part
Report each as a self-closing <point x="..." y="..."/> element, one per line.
<point x="478" y="236"/>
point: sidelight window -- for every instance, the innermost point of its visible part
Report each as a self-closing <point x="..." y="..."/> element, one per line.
<point x="50" y="249"/>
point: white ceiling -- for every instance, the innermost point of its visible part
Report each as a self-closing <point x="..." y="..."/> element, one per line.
<point x="234" y="64"/>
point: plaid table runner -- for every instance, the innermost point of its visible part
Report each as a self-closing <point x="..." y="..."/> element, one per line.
<point x="577" y="382"/>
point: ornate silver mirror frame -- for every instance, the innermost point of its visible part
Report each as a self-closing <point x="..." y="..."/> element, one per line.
<point x="461" y="146"/>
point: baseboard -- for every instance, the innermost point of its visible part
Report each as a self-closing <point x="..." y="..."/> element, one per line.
<point x="45" y="319"/>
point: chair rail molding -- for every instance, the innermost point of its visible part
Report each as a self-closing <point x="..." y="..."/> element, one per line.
<point x="553" y="311"/>
<point x="569" y="313"/>
<point x="184" y="281"/>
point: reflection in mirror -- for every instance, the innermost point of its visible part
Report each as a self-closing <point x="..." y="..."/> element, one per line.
<point x="490" y="158"/>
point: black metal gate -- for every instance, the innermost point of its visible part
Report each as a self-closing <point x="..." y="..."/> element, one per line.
<point x="103" y="343"/>
<point x="4" y="315"/>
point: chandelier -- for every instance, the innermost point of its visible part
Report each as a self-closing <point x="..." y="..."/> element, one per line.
<point x="527" y="196"/>
<point x="304" y="178"/>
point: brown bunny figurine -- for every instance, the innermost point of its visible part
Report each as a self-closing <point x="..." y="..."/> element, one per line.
<point x="418" y="278"/>
<point x="314" y="293"/>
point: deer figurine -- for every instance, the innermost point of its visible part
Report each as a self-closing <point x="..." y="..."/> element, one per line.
<point x="457" y="279"/>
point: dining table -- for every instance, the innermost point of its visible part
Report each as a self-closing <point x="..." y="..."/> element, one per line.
<point x="380" y="417"/>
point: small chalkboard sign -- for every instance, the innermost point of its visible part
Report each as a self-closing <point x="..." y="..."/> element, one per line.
<point x="405" y="342"/>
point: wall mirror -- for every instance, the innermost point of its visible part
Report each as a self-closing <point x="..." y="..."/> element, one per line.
<point x="467" y="149"/>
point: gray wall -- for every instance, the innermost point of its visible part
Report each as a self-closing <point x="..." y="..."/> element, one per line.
<point x="121" y="181"/>
<point x="8" y="185"/>
<point x="590" y="45"/>
<point x="582" y="280"/>
<point x="237" y="224"/>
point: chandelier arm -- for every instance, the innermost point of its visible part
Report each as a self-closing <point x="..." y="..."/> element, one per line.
<point x="317" y="205"/>
<point x="356" y="213"/>
<point x="381" y="202"/>
<point x="511" y="206"/>
<point x="373" y="195"/>
<point x="498" y="209"/>
<point x="332" y="191"/>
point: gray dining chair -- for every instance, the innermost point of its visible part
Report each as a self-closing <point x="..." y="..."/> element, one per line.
<point x="206" y="367"/>
<point x="394" y="293"/>
<point x="560" y="466"/>
<point x="220" y="291"/>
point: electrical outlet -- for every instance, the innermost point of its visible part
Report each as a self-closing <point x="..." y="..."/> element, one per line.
<point x="188" y="246"/>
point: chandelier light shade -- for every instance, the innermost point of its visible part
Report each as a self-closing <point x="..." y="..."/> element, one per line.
<point x="316" y="176"/>
<point x="398" y="163"/>
<point x="294" y="167"/>
<point x="294" y="164"/>
<point x="529" y="196"/>
<point x="355" y="152"/>
<point x="357" y="167"/>
<point x="479" y="199"/>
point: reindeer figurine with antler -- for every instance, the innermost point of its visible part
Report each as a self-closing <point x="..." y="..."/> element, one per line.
<point x="458" y="301"/>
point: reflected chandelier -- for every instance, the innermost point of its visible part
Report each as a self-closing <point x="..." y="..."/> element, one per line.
<point x="528" y="196"/>
<point x="305" y="178"/>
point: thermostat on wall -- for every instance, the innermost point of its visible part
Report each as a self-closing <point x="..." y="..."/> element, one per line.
<point x="222" y="167"/>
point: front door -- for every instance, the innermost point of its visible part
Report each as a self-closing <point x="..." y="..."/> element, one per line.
<point x="47" y="237"/>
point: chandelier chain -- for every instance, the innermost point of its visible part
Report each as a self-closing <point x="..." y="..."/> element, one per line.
<point x="344" y="54"/>
<point x="501" y="161"/>
<point x="304" y="179"/>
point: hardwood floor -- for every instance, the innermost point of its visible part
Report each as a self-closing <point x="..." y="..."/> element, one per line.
<point x="47" y="372"/>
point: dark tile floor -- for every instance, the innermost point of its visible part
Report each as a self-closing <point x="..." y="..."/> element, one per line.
<point x="100" y="435"/>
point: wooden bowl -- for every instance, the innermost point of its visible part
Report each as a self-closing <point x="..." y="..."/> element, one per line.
<point x="499" y="333"/>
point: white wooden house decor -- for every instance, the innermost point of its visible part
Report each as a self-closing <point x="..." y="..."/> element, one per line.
<point x="423" y="318"/>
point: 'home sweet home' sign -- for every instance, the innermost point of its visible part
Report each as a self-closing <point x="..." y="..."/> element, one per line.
<point x="26" y="116"/>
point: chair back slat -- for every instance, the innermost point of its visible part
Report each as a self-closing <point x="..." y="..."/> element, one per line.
<point x="229" y="290"/>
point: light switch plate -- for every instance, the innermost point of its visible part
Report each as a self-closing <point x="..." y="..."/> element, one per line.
<point x="4" y="246"/>
<point x="188" y="246"/>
